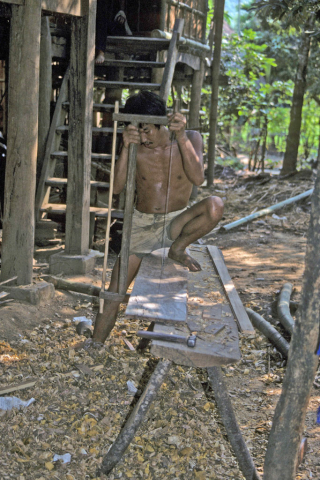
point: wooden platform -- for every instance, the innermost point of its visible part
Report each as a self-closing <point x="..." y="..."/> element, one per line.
<point x="212" y="312"/>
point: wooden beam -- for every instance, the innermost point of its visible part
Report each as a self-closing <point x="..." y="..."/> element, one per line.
<point x="238" y="309"/>
<point x="171" y="60"/>
<point x="14" y="2"/>
<point x="80" y="132"/>
<point x="45" y="91"/>
<point x="20" y="183"/>
<point x="66" y="7"/>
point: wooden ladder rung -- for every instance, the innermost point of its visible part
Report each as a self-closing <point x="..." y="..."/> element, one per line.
<point x="94" y="156"/>
<point x="124" y="85"/>
<point x="59" y="208"/>
<point x="60" y="182"/>
<point x="131" y="63"/>
<point x="95" y="130"/>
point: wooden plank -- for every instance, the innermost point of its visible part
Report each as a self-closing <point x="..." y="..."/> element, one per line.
<point x="14" y="2"/>
<point x="18" y="386"/>
<point x="210" y="315"/>
<point x="80" y="133"/>
<point x="21" y="162"/>
<point x="241" y="315"/>
<point x="159" y="292"/>
<point x="66" y="7"/>
<point x="221" y="347"/>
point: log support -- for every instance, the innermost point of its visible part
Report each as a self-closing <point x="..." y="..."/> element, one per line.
<point x="20" y="182"/>
<point x="80" y="133"/>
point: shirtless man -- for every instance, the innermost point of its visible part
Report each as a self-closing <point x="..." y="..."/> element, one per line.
<point x="183" y="225"/>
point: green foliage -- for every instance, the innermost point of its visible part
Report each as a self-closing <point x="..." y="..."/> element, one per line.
<point x="260" y="67"/>
<point x="233" y="162"/>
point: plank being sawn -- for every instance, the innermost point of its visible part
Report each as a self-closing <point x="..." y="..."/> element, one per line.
<point x="209" y="314"/>
<point x="159" y="292"/>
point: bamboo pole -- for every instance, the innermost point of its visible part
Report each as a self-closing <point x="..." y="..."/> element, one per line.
<point x="265" y="211"/>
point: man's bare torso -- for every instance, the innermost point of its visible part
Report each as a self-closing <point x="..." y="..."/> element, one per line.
<point x="153" y="165"/>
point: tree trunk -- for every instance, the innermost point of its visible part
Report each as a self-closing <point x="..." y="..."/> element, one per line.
<point x="288" y="422"/>
<point x="218" y="25"/>
<point x="291" y="153"/>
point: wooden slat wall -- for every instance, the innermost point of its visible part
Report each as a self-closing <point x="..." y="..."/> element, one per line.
<point x="77" y="8"/>
<point x="195" y="19"/>
<point x="67" y="7"/>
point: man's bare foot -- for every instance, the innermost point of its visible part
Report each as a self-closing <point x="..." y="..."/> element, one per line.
<point x="185" y="259"/>
<point x="100" y="57"/>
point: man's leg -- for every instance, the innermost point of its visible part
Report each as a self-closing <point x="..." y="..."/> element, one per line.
<point x="192" y="224"/>
<point x="105" y="321"/>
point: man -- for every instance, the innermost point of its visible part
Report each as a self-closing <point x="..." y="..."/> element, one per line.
<point x="166" y="171"/>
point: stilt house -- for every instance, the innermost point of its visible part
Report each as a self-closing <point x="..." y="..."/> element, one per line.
<point x="56" y="104"/>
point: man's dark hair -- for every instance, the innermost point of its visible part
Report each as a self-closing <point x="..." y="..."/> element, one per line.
<point x="145" y="103"/>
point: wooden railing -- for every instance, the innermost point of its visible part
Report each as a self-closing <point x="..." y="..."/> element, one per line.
<point x="194" y="13"/>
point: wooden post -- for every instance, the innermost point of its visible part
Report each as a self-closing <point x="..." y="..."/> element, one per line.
<point x="45" y="90"/>
<point x="195" y="105"/>
<point x="20" y="182"/>
<point x="171" y="59"/>
<point x="215" y="69"/>
<point x="80" y="132"/>
<point x="195" y="102"/>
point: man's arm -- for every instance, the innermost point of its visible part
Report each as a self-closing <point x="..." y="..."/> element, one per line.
<point x="190" y="146"/>
<point x="130" y="135"/>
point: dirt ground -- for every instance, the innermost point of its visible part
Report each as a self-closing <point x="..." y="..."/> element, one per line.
<point x="82" y="399"/>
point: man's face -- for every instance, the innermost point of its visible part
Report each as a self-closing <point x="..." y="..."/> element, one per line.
<point x="149" y="135"/>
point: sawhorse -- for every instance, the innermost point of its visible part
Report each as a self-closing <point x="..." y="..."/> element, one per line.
<point x="215" y="314"/>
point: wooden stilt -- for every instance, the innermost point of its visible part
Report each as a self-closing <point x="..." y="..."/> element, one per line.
<point x="20" y="182"/>
<point x="80" y="133"/>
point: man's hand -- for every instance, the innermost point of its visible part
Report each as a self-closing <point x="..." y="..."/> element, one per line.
<point x="177" y="124"/>
<point x="130" y="135"/>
